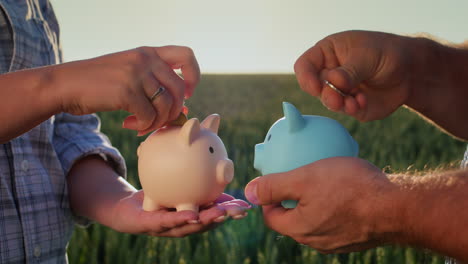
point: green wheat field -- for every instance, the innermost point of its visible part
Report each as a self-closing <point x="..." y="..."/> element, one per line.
<point x="248" y="105"/>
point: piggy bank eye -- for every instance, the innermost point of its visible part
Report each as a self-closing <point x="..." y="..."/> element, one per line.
<point x="211" y="150"/>
<point x="269" y="137"/>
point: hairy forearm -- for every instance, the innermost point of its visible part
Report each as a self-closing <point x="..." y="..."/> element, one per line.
<point x="94" y="189"/>
<point x="28" y="98"/>
<point x="434" y="212"/>
<point x="440" y="84"/>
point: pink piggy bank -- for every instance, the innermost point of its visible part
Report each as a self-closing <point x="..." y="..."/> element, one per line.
<point x="184" y="167"/>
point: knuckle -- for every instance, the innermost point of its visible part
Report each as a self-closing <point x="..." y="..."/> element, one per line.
<point x="127" y="95"/>
<point x="143" y="55"/>
<point x="188" y="52"/>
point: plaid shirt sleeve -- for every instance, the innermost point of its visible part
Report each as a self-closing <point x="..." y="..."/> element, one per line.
<point x="76" y="137"/>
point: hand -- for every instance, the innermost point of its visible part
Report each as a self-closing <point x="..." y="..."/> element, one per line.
<point x="374" y="70"/>
<point x="129" y="217"/>
<point x="127" y="80"/>
<point x="342" y="206"/>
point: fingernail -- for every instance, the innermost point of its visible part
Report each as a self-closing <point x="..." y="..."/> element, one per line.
<point x="220" y="219"/>
<point x="237" y="217"/>
<point x="251" y="192"/>
<point x="193" y="221"/>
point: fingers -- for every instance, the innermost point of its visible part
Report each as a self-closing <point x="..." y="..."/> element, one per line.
<point x="235" y="208"/>
<point x="163" y="104"/>
<point x="307" y="69"/>
<point x="312" y="68"/>
<point x="207" y="219"/>
<point x="274" y="188"/>
<point x="224" y="197"/>
<point x="212" y="214"/>
<point x="157" y="65"/>
<point x="179" y="58"/>
<point x="279" y="218"/>
<point x="173" y="83"/>
<point x="183" y="223"/>
<point x="160" y="221"/>
<point x="182" y="58"/>
<point x="139" y="105"/>
<point x="345" y="73"/>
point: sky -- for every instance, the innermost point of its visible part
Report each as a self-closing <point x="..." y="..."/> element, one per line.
<point x="244" y="36"/>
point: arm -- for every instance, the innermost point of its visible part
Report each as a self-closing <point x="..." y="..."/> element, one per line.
<point x="434" y="211"/>
<point x="440" y="85"/>
<point x="380" y="72"/>
<point x="27" y="100"/>
<point x="370" y="209"/>
<point x="124" y="80"/>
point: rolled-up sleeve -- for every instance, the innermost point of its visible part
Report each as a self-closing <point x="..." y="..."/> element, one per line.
<point x="76" y="137"/>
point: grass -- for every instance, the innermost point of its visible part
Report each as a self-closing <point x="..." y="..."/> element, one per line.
<point x="248" y="105"/>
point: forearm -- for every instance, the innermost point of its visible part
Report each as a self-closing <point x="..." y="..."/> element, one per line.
<point x="94" y="189"/>
<point x="439" y="88"/>
<point x="433" y="212"/>
<point x="28" y="98"/>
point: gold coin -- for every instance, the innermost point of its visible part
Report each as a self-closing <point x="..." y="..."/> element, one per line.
<point x="179" y="121"/>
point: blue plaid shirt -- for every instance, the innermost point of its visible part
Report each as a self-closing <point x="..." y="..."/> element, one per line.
<point x="36" y="222"/>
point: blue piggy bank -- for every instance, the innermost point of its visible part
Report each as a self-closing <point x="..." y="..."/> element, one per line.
<point x="297" y="140"/>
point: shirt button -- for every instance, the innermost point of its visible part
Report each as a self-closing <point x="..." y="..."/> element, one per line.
<point x="37" y="251"/>
<point x="25" y="165"/>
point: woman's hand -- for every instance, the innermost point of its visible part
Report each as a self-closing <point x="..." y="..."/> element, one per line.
<point x="127" y="80"/>
<point x="129" y="217"/>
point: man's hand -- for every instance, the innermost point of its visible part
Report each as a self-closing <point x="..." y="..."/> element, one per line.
<point x="343" y="204"/>
<point x="378" y="72"/>
<point x="372" y="68"/>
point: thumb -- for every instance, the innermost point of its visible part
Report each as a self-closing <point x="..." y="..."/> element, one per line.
<point x="272" y="188"/>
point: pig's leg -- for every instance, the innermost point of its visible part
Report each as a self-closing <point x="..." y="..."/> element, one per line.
<point x="149" y="205"/>
<point x="190" y="207"/>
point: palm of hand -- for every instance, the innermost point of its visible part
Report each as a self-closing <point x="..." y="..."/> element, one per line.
<point x="129" y="217"/>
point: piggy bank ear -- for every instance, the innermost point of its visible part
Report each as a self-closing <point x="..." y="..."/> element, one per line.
<point x="189" y="131"/>
<point x="211" y="122"/>
<point x="293" y="117"/>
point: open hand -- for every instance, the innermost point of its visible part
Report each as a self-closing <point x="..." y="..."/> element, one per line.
<point x="129" y="217"/>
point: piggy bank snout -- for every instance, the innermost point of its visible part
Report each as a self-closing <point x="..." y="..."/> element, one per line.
<point x="258" y="157"/>
<point x="224" y="171"/>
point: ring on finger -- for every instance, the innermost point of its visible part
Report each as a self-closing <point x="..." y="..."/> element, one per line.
<point x="160" y="91"/>
<point x="333" y="87"/>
